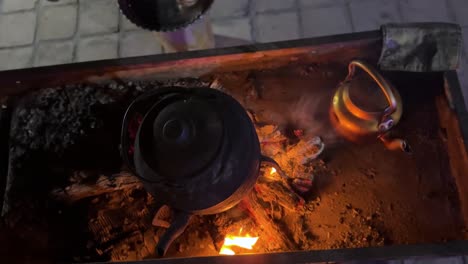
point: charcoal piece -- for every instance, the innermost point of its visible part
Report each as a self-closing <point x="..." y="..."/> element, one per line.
<point x="54" y="119"/>
<point x="67" y="126"/>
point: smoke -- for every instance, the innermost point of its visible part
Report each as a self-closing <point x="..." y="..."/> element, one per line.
<point x="311" y="114"/>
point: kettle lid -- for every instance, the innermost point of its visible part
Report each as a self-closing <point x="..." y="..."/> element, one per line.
<point x="180" y="136"/>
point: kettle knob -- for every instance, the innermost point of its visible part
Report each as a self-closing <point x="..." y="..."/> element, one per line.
<point x="386" y="125"/>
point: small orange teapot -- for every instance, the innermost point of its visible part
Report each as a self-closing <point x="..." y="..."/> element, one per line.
<point x="354" y="118"/>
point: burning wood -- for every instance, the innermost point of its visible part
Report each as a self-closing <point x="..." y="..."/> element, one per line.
<point x="104" y="184"/>
<point x="306" y="150"/>
<point x="277" y="196"/>
<point x="302" y="186"/>
<point x="163" y="217"/>
<point x="294" y="158"/>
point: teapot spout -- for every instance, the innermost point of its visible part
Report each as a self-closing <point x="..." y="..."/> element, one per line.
<point x="181" y="221"/>
<point x="396" y="144"/>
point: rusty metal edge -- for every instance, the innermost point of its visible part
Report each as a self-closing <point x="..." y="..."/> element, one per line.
<point x="15" y="82"/>
<point x="255" y="47"/>
<point x="457" y="100"/>
<point x="459" y="154"/>
<point x="457" y="248"/>
<point x="5" y="118"/>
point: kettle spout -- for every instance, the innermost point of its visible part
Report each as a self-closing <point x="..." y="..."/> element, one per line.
<point x="181" y="221"/>
<point x="396" y="144"/>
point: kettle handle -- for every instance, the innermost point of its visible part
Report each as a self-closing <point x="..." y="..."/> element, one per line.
<point x="380" y="80"/>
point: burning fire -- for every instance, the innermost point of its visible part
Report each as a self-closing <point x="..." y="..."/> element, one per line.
<point x="273" y="171"/>
<point x="246" y="242"/>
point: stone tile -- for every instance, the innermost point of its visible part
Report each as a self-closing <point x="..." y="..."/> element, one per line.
<point x="269" y="5"/>
<point x="371" y="14"/>
<point x="234" y="28"/>
<point x="276" y="27"/>
<point x="17" y="29"/>
<point x="98" y="16"/>
<point x="325" y="21"/>
<point x="460" y="8"/>
<point x="15" y="58"/>
<point x="321" y="3"/>
<point x="54" y="53"/>
<point x="425" y="11"/>
<point x="58" y="2"/>
<point x="139" y="43"/>
<point x="57" y="22"/>
<point x="449" y="260"/>
<point x="97" y="48"/>
<point x="127" y="25"/>
<point x="17" y="5"/>
<point x="229" y="8"/>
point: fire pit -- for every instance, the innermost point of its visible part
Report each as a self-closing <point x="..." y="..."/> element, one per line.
<point x="69" y="198"/>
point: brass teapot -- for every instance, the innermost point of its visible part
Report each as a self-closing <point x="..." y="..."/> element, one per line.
<point x="354" y="122"/>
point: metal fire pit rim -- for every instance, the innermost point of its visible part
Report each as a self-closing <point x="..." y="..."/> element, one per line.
<point x="14" y="81"/>
<point x="457" y="99"/>
<point x="396" y="252"/>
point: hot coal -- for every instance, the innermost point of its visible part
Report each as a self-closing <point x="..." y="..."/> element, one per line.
<point x="53" y="128"/>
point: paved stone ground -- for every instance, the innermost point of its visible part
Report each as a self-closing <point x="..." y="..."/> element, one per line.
<point x="38" y="33"/>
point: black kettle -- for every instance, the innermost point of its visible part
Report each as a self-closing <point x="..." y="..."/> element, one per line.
<point x="195" y="150"/>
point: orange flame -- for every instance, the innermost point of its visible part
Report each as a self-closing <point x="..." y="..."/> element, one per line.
<point x="226" y="251"/>
<point x="246" y="242"/>
<point x="273" y="171"/>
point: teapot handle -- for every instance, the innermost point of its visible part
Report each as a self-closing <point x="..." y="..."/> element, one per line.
<point x="383" y="84"/>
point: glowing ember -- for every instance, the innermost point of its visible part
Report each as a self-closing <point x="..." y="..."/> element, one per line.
<point x="226" y="251"/>
<point x="246" y="242"/>
<point x="243" y="242"/>
<point x="273" y="171"/>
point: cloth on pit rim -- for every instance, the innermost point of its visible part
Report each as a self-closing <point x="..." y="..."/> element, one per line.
<point x="421" y="47"/>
